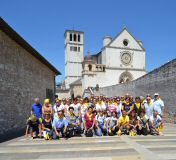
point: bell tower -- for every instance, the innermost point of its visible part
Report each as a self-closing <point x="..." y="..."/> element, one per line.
<point x="74" y="55"/>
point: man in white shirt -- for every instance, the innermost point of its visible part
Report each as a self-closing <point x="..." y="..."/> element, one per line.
<point x="149" y="107"/>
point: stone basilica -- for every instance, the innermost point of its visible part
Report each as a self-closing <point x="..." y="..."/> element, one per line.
<point x="120" y="60"/>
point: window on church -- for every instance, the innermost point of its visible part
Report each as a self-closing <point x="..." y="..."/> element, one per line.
<point x="70" y="37"/>
<point x="78" y="49"/>
<point x="75" y="48"/>
<point x="74" y="37"/>
<point x="71" y="48"/>
<point x="125" y="42"/>
<point x="90" y="67"/>
<point x="79" y="38"/>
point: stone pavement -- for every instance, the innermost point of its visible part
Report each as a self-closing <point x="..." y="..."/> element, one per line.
<point x="94" y="148"/>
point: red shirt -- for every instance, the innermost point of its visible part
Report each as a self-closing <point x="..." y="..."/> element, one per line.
<point x="89" y="120"/>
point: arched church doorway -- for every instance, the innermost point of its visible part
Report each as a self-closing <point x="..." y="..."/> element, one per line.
<point x="125" y="77"/>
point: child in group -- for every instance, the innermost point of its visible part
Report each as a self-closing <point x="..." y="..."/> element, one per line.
<point x="33" y="125"/>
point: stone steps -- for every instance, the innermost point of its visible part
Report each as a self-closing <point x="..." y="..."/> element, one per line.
<point x="93" y="148"/>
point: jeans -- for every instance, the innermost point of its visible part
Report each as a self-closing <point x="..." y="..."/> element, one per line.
<point x="50" y="133"/>
<point x="60" y="131"/>
<point x="101" y="131"/>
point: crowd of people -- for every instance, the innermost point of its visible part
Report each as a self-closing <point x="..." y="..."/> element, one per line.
<point x="96" y="116"/>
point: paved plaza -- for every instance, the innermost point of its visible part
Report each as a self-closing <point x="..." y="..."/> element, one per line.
<point x="94" y="148"/>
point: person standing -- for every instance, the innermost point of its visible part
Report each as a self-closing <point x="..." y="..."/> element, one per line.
<point x="158" y="104"/>
<point x="137" y="105"/>
<point x="37" y="109"/>
<point x="127" y="106"/>
<point x="47" y="108"/>
<point x="148" y="106"/>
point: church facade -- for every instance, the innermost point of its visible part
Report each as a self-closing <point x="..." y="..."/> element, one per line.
<point x="120" y="60"/>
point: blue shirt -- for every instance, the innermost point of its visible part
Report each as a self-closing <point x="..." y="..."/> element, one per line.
<point x="155" y="120"/>
<point x="158" y="106"/>
<point x="37" y="110"/>
<point x="60" y="122"/>
<point x="100" y="120"/>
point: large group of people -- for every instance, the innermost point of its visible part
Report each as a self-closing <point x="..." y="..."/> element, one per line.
<point x="96" y="116"/>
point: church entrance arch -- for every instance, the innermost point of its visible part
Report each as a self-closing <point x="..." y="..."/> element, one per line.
<point x="125" y="77"/>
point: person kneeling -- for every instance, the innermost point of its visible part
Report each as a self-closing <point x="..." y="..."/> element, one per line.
<point x="89" y="122"/>
<point x="123" y="123"/>
<point x="60" y="124"/>
<point x="133" y="123"/>
<point x="33" y="126"/>
<point x="156" y="124"/>
<point x="112" y="124"/>
<point x="74" y="123"/>
<point x="143" y="124"/>
<point x="47" y="126"/>
<point x="100" y="123"/>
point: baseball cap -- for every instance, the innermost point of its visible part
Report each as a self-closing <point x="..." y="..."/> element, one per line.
<point x="156" y="94"/>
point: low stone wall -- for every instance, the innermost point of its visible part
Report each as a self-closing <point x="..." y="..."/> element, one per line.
<point x="161" y="80"/>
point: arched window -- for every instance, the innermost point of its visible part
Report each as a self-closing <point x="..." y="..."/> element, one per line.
<point x="78" y="49"/>
<point x="79" y="38"/>
<point x="90" y="67"/>
<point x="70" y="37"/>
<point x="74" y="37"/>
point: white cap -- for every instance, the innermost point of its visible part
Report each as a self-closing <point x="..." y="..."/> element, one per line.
<point x="156" y="94"/>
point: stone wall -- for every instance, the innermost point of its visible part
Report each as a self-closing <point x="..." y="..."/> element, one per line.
<point x="162" y="80"/>
<point x="22" y="78"/>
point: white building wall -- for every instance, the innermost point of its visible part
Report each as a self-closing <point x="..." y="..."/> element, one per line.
<point x="132" y="44"/>
<point x="104" y="57"/>
<point x="108" y="78"/>
<point x="73" y="59"/>
<point x="113" y="58"/>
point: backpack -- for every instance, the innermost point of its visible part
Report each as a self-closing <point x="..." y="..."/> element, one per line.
<point x="69" y="132"/>
<point x="89" y="133"/>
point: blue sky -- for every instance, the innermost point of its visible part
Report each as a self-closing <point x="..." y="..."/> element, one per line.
<point x="42" y="23"/>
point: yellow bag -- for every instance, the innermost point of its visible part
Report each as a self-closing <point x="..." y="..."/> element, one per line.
<point x="160" y="128"/>
<point x="132" y="133"/>
<point x="119" y="133"/>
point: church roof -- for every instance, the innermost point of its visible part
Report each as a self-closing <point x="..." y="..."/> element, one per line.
<point x="125" y="28"/>
<point x="18" y="39"/>
<point x="94" y="56"/>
